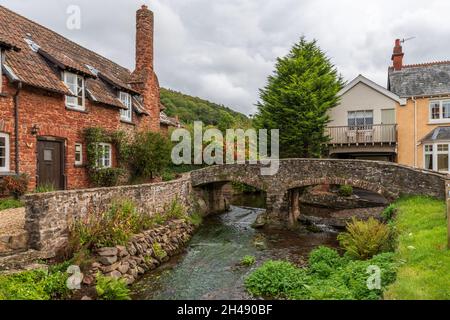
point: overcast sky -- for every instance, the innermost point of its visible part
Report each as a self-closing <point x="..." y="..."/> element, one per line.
<point x="223" y="50"/>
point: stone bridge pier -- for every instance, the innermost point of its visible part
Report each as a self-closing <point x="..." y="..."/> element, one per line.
<point x="211" y="198"/>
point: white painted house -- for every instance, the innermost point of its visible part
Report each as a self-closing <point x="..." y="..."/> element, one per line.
<point x="363" y="125"/>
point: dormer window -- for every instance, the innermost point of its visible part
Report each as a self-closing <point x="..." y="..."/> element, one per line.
<point x="75" y="83"/>
<point x="126" y="114"/>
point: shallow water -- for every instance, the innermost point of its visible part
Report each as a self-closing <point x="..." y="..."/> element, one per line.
<point x="209" y="268"/>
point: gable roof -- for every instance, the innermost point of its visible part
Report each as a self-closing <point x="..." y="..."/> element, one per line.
<point x="428" y="79"/>
<point x="374" y="86"/>
<point x="43" y="53"/>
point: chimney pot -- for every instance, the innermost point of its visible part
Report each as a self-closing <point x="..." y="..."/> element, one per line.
<point x="397" y="56"/>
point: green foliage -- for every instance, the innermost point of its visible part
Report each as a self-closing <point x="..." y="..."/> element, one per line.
<point x="190" y="109"/>
<point x="329" y="277"/>
<point x="345" y="191"/>
<point x="44" y="188"/>
<point x="422" y="250"/>
<point x="243" y="188"/>
<point x="196" y="219"/>
<point x="365" y="239"/>
<point x="10" y="204"/>
<point x="389" y="212"/>
<point x="276" y="279"/>
<point x="16" y="185"/>
<point x="168" y="175"/>
<point x="150" y="154"/>
<point x="297" y="98"/>
<point x="248" y="261"/>
<point x="106" y="177"/>
<point x="323" y="261"/>
<point x="176" y="210"/>
<point x="34" y="285"/>
<point x="111" y="289"/>
<point x="112" y="227"/>
<point x="159" y="251"/>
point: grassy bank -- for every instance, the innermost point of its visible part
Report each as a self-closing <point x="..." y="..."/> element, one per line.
<point x="425" y="262"/>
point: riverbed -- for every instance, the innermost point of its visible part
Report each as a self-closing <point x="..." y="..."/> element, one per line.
<point x="210" y="267"/>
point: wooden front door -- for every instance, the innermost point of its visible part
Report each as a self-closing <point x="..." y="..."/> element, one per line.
<point x="51" y="164"/>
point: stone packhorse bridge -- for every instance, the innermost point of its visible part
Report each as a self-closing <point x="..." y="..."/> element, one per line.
<point x="283" y="189"/>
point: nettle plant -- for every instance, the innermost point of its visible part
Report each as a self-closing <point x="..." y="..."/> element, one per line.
<point x="104" y="176"/>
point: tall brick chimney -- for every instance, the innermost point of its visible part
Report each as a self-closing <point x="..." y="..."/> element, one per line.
<point x="144" y="39"/>
<point x="144" y="79"/>
<point x="397" y="56"/>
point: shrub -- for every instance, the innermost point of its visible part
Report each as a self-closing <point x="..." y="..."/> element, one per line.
<point x="15" y="185"/>
<point x="176" y="210"/>
<point x="106" y="177"/>
<point x="150" y="154"/>
<point x="111" y="289"/>
<point x="277" y="279"/>
<point x="248" y="261"/>
<point x="365" y="239"/>
<point x="34" y="285"/>
<point x="323" y="261"/>
<point x="196" y="219"/>
<point x="345" y="190"/>
<point x="44" y="188"/>
<point x="10" y="204"/>
<point x="168" y="176"/>
<point x="109" y="228"/>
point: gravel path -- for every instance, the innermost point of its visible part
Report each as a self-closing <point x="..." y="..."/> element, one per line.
<point x="12" y="221"/>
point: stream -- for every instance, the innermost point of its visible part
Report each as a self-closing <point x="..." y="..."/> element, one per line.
<point x="209" y="269"/>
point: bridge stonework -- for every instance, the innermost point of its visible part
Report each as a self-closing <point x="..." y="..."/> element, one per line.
<point x="282" y="189"/>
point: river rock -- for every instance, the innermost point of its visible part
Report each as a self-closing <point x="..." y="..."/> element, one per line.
<point x="122" y="251"/>
<point x="114" y="274"/>
<point x="124" y="267"/>
<point x="107" y="252"/>
<point x="110" y="268"/>
<point x="106" y="261"/>
<point x="128" y="279"/>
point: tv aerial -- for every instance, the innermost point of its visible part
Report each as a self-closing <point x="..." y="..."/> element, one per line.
<point x="407" y="39"/>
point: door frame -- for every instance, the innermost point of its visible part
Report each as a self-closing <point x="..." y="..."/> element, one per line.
<point x="62" y="142"/>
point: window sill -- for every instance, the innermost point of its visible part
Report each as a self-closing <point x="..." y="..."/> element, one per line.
<point x="6" y="173"/>
<point x="443" y="121"/>
<point x="79" y="166"/>
<point x="75" y="109"/>
<point x="127" y="122"/>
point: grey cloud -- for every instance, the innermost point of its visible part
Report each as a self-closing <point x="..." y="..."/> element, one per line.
<point x="223" y="50"/>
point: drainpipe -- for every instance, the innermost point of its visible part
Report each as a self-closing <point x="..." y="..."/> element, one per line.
<point x="16" y="127"/>
<point x="415" y="131"/>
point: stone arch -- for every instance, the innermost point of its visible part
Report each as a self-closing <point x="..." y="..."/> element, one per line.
<point x="373" y="187"/>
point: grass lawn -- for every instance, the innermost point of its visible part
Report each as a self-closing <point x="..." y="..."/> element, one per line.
<point x="424" y="273"/>
<point x="10" y="203"/>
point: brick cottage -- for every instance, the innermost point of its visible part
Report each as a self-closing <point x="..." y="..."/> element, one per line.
<point x="52" y="89"/>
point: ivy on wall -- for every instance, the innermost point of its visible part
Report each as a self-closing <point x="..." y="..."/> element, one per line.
<point x="104" y="177"/>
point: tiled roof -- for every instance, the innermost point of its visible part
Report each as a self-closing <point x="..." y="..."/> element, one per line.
<point x="426" y="79"/>
<point x="440" y="133"/>
<point x="165" y="119"/>
<point x="36" y="66"/>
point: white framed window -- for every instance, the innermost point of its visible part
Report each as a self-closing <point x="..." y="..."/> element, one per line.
<point x="76" y="85"/>
<point x="361" y="120"/>
<point x="126" y="115"/>
<point x="439" y="111"/>
<point x="105" y="155"/>
<point x="78" y="154"/>
<point x="4" y="152"/>
<point x="437" y="157"/>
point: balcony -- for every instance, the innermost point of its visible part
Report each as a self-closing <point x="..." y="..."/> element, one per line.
<point x="377" y="134"/>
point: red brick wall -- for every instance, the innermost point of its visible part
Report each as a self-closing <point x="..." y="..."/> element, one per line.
<point x="48" y="112"/>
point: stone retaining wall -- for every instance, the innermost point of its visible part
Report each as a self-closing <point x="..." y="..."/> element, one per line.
<point x="143" y="253"/>
<point x="49" y="215"/>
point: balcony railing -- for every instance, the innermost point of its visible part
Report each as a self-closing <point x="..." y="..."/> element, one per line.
<point x="367" y="134"/>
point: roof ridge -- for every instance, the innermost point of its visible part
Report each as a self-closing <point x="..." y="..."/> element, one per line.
<point x="426" y="64"/>
<point x="63" y="37"/>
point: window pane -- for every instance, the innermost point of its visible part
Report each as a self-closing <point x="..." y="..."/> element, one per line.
<point x="429" y="162"/>
<point x="442" y="147"/>
<point x="435" y="112"/>
<point x="2" y="142"/>
<point x="2" y="162"/>
<point x="446" y="109"/>
<point x="48" y="155"/>
<point x="442" y="162"/>
<point x="429" y="148"/>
